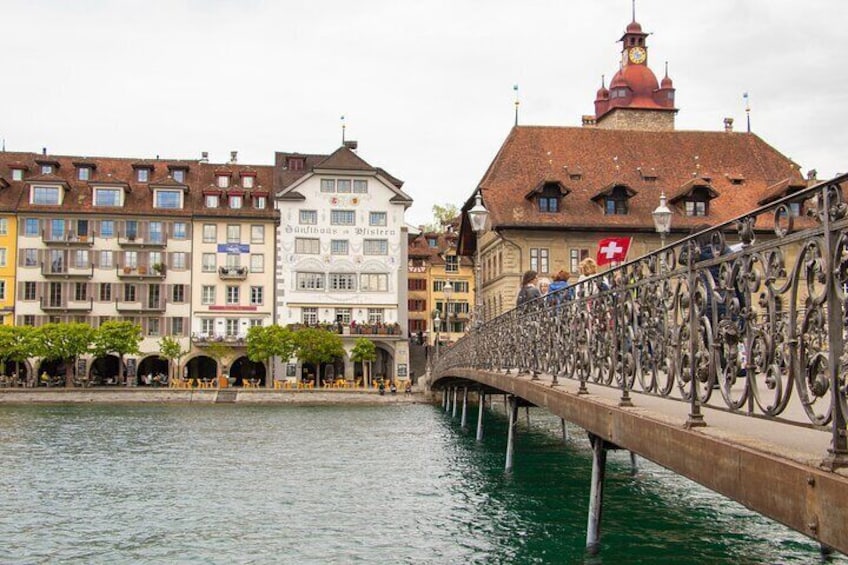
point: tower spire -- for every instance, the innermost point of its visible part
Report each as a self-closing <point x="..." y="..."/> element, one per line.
<point x="634" y="10"/>
<point x="515" y="88"/>
<point x="343" y="130"/>
<point x="747" y="110"/>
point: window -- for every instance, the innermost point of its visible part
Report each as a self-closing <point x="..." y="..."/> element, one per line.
<point x="210" y="201"/>
<point x="294" y="163"/>
<point x="157" y="235"/>
<point x="371" y="282"/>
<point x="260" y="203"/>
<point x="17" y="174"/>
<point x="177" y="325"/>
<point x="309" y="315"/>
<point x="432" y="242"/>
<point x="107" y="260"/>
<point x="615" y="204"/>
<point x="105" y="292"/>
<point x="107" y="228"/>
<point x="29" y="320"/>
<point x="342" y="281"/>
<point x="29" y="290"/>
<point x="209" y="263"/>
<point x="460" y="286"/>
<point x="207" y="326"/>
<point x="30" y="257"/>
<point x="417" y="284"/>
<point x="80" y="291"/>
<point x="539" y="259"/>
<point x="154" y="257"/>
<point x="375" y="315"/>
<point x="170" y="199"/>
<point x="2" y="256"/>
<point x="45" y="195"/>
<point x="31" y="227"/>
<point x="178" y="260"/>
<point x="180" y="230"/>
<point x="257" y="234"/>
<point x="233" y="261"/>
<point x="255" y="322"/>
<point x="232" y="327"/>
<point x="377" y="219"/>
<point x="342" y="217"/>
<point x="207" y="294"/>
<point x="178" y="293"/>
<point x="223" y="181"/>
<point x="360" y="186"/>
<point x="107" y="196"/>
<point x="57" y="229"/>
<point x="575" y="256"/>
<point x="451" y="264"/>
<point x="46" y="169"/>
<point x="338" y="246"/>
<point x="309" y="217"/>
<point x="328" y="185"/>
<point x="129" y="293"/>
<point x="235" y="201"/>
<point x="142" y="175"/>
<point x="417" y="305"/>
<point x="81" y="258"/>
<point x="178" y="175"/>
<point x="310" y="281"/>
<point x="247" y="181"/>
<point x="233" y="295"/>
<point x="257" y="263"/>
<point x="696" y="208"/>
<point x="84" y="173"/>
<point x="153" y="327"/>
<point x="233" y="233"/>
<point x="131" y="228"/>
<point x="343" y="315"/>
<point x="375" y="247"/>
<point x="210" y="233"/>
<point x="307" y="245"/>
<point x="343" y="185"/>
<point x="256" y="295"/>
<point x="4" y="226"/>
<point x="548" y="198"/>
<point x="131" y="259"/>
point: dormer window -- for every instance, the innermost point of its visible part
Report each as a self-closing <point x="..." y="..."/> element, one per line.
<point x="178" y="175"/>
<point x="697" y="204"/>
<point x="84" y="173"/>
<point x="260" y="202"/>
<point x="142" y="175"/>
<point x="210" y="200"/>
<point x="548" y="198"/>
<point x="46" y="169"/>
<point x="236" y="201"/>
<point x="223" y="181"/>
<point x="294" y="163"/>
<point x="17" y="174"/>
<point x="248" y="181"/>
<point x="168" y="199"/>
<point x="46" y="195"/>
<point x="108" y="197"/>
<point x="615" y="204"/>
<point x="432" y="242"/>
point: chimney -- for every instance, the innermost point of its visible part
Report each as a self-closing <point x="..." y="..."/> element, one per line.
<point x="233" y="157"/>
<point x="44" y="151"/>
<point x="204" y="156"/>
<point x="352" y="145"/>
<point x="728" y="125"/>
<point x="589" y="121"/>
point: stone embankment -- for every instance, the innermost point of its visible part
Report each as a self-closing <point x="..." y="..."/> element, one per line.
<point x="205" y="396"/>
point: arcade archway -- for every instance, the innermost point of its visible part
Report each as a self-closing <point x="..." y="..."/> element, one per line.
<point x="104" y="370"/>
<point x="244" y="369"/>
<point x="201" y="367"/>
<point x="152" y="369"/>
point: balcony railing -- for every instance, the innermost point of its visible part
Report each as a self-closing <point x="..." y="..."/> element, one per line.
<point x="354" y="328"/>
<point x="203" y="339"/>
<point x="66" y="239"/>
<point x="140" y="305"/>
<point x="142" y="239"/>
<point x="63" y="305"/>
<point x="156" y="271"/>
<point x="66" y="271"/>
<point x="232" y="273"/>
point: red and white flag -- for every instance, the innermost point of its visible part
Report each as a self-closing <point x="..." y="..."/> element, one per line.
<point x="613" y="250"/>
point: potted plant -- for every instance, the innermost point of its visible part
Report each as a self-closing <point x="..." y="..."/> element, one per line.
<point x="127" y="270"/>
<point x="159" y="267"/>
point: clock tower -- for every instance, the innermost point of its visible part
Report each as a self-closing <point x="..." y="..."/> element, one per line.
<point x="635" y="99"/>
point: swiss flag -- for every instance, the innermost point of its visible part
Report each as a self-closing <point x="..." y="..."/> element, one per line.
<point x="613" y="250"/>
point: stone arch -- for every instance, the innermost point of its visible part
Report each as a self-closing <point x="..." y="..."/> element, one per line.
<point x="199" y="366"/>
<point x="103" y="370"/>
<point x="152" y="365"/>
<point x="242" y="369"/>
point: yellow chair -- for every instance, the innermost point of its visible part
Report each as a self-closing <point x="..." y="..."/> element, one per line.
<point x="278" y="385"/>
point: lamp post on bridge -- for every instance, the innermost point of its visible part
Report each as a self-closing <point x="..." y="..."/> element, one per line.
<point x="662" y="223"/>
<point x="437" y="323"/>
<point x="478" y="215"/>
<point x="447" y="290"/>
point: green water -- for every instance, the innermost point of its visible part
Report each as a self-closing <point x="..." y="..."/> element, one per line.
<point x="342" y="484"/>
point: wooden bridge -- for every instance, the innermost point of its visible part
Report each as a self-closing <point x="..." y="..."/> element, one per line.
<point x="720" y="357"/>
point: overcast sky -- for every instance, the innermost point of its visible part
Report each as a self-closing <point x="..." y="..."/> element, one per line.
<point x="426" y="87"/>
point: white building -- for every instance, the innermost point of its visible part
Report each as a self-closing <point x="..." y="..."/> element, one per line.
<point x="341" y="257"/>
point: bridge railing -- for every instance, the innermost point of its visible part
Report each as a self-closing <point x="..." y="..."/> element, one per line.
<point x="739" y="316"/>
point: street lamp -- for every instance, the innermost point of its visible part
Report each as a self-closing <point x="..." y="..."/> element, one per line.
<point x="437" y="324"/>
<point x="447" y="291"/>
<point x="662" y="219"/>
<point x="478" y="215"/>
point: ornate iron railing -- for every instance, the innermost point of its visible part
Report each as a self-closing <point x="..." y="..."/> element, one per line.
<point x="737" y="316"/>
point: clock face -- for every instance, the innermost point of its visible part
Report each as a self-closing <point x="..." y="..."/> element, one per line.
<point x="638" y="55"/>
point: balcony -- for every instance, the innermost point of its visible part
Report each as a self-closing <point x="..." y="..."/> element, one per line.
<point x="140" y="306"/>
<point x="205" y="340"/>
<point x="61" y="305"/>
<point x="142" y="240"/>
<point x="142" y="272"/>
<point x="63" y="271"/>
<point x="66" y="239"/>
<point x="232" y="273"/>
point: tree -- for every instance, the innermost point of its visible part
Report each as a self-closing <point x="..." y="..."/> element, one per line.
<point x="316" y="345"/>
<point x="442" y="216"/>
<point x="267" y="342"/>
<point x="218" y="351"/>
<point x="120" y="338"/>
<point x="171" y="350"/>
<point x="16" y="344"/>
<point x="65" y="342"/>
<point x="364" y="350"/>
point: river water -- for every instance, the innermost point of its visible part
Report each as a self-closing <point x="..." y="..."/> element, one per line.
<point x="342" y="484"/>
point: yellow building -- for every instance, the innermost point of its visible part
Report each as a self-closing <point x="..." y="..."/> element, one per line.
<point x="8" y="252"/>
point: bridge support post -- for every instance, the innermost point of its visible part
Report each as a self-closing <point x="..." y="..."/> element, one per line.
<point x="596" y="493"/>
<point x="480" y="405"/>
<point x="463" y="422"/>
<point x="634" y="467"/>
<point x="527" y="415"/>
<point x="447" y="399"/>
<point x="455" y="394"/>
<point x="564" y="430"/>
<point x="510" y="436"/>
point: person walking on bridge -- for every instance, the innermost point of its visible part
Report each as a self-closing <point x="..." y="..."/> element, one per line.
<point x="528" y="290"/>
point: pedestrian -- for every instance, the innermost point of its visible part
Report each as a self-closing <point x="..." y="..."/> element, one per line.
<point x="528" y="290"/>
<point x="544" y="285"/>
<point x="588" y="269"/>
<point x="560" y="290"/>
